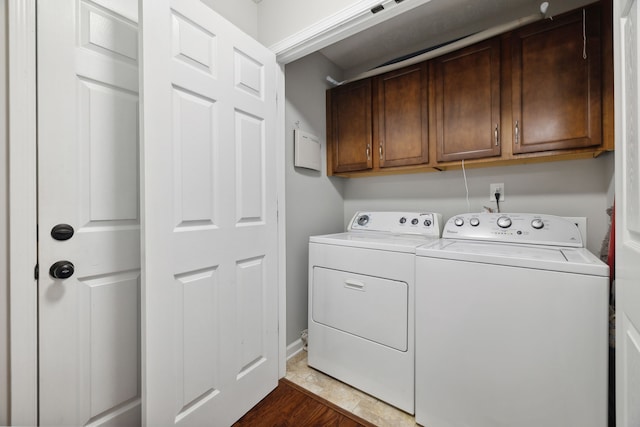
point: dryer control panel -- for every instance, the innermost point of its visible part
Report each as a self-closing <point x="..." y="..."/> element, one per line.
<point x="532" y="229"/>
<point x="424" y="223"/>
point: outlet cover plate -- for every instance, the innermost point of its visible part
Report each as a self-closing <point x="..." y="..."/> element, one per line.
<point x="492" y="192"/>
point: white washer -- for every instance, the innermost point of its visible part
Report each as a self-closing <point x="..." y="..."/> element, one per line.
<point x="511" y="325"/>
<point x="361" y="302"/>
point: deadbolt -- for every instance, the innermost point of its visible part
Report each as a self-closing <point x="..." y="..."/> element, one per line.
<point x="61" y="270"/>
<point x="62" y="232"/>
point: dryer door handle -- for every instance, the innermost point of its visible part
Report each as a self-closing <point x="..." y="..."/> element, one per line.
<point x="354" y="284"/>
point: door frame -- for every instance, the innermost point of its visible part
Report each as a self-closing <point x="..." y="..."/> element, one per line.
<point x="22" y="108"/>
<point x="23" y="329"/>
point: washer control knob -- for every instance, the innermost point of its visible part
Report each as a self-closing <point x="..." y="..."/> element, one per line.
<point x="427" y="223"/>
<point x="403" y="220"/>
<point x="459" y="222"/>
<point x="474" y="222"/>
<point x="537" y="224"/>
<point x="504" y="222"/>
<point x="414" y="221"/>
<point x="363" y="219"/>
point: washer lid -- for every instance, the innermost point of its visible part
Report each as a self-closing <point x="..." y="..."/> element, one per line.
<point x="375" y="240"/>
<point x="570" y="260"/>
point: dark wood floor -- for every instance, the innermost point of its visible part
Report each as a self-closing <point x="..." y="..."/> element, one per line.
<point x="291" y="405"/>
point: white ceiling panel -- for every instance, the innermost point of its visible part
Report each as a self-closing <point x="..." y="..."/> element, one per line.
<point x="431" y="24"/>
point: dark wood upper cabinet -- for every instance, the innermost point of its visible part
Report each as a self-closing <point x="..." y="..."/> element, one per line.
<point x="467" y="102"/>
<point x="401" y="131"/>
<point x="556" y="83"/>
<point x="349" y="127"/>
<point x="537" y="93"/>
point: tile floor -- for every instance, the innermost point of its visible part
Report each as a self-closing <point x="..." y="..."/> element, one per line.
<point x="354" y="401"/>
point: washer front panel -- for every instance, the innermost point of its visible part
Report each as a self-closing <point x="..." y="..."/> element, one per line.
<point x="504" y="346"/>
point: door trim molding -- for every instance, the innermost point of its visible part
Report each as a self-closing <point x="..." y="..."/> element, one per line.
<point x="23" y="341"/>
<point x="282" y="225"/>
<point x="338" y="26"/>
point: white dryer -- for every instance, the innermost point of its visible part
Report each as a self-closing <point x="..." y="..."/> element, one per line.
<point x="511" y="325"/>
<point x="361" y="302"/>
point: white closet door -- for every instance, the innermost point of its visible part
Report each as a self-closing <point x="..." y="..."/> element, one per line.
<point x="209" y="263"/>
<point x="88" y="178"/>
<point x="627" y="84"/>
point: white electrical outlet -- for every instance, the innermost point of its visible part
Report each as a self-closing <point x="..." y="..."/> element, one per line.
<point x="496" y="188"/>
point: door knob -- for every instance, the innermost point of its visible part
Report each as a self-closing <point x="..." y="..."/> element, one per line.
<point x="61" y="270"/>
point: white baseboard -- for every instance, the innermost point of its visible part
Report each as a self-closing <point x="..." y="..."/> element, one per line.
<point x="294" y="348"/>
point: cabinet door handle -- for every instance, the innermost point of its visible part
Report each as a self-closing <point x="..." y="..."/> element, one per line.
<point x="380" y="150"/>
<point x="495" y="133"/>
<point x="517" y="133"/>
<point x="368" y="151"/>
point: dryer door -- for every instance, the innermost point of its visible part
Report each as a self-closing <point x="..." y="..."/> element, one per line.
<point x="370" y="307"/>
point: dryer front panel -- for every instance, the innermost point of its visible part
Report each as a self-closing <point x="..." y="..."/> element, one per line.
<point x="369" y="307"/>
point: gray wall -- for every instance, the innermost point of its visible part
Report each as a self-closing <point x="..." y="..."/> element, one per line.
<point x="314" y="201"/>
<point x="4" y="249"/>
<point x="568" y="188"/>
<point x="242" y="13"/>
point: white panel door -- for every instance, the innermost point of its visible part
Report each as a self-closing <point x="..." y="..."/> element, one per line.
<point x="88" y="178"/>
<point x="209" y="264"/>
<point x="627" y="84"/>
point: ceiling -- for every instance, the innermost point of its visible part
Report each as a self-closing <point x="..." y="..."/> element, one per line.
<point x="431" y="24"/>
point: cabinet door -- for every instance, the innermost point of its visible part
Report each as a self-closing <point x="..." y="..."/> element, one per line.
<point x="349" y="127"/>
<point x="402" y="136"/>
<point x="556" y="83"/>
<point x="467" y="93"/>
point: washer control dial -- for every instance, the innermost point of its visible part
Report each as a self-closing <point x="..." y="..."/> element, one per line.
<point x="414" y="221"/>
<point x="459" y="222"/>
<point x="474" y="222"/>
<point x="363" y="219"/>
<point x="403" y="220"/>
<point x="504" y="222"/>
<point x="427" y="223"/>
<point x="537" y="224"/>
